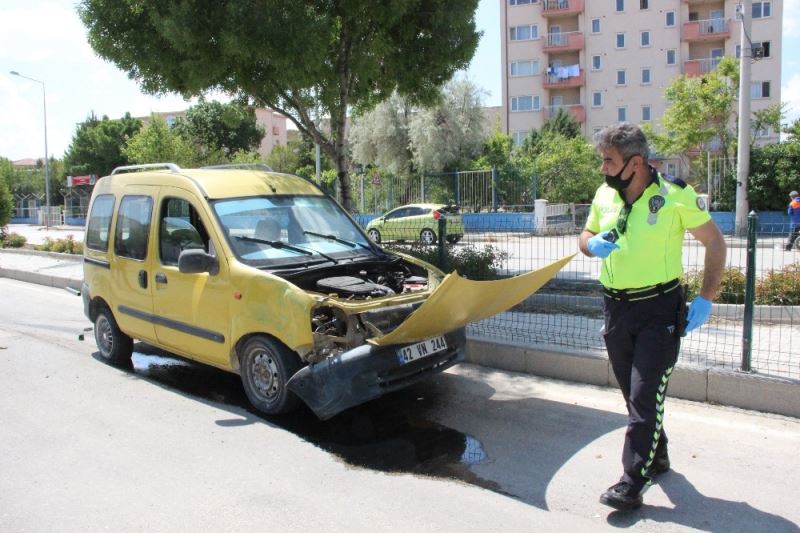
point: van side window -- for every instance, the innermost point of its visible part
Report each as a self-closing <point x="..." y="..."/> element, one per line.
<point x="99" y="226"/>
<point x="180" y="228"/>
<point x="133" y="226"/>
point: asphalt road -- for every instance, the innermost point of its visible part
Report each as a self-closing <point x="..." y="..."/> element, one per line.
<point x="169" y="445"/>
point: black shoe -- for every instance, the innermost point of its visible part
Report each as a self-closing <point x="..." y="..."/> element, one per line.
<point x="658" y="466"/>
<point x="622" y="497"/>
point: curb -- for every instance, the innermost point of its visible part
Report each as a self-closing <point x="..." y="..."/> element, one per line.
<point x="712" y="385"/>
<point x="53" y="255"/>
<point x="58" y="282"/>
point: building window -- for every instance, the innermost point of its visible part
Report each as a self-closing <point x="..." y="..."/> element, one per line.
<point x="671" y="58"/>
<point x="519" y="137"/>
<point x="597" y="99"/>
<point x="645" y="38"/>
<point x="762" y="9"/>
<point x="595" y="25"/>
<point x="621" y="114"/>
<point x="522" y="2"/>
<point x="620" y="5"/>
<point x="596" y="64"/>
<point x="525" y="103"/>
<point x="620" y="40"/>
<point x="759" y="89"/>
<point x="529" y="67"/>
<point x="670" y="19"/>
<point x="646" y="76"/>
<point x="645" y="113"/>
<point x="621" y="77"/>
<point x="671" y="169"/>
<point x="763" y="46"/>
<point x="763" y="132"/>
<point x="644" y="4"/>
<point x="524" y="33"/>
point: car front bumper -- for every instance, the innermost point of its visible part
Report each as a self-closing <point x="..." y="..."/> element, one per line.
<point x="367" y="372"/>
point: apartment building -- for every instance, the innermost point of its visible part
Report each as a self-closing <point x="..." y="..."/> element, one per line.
<point x="611" y="60"/>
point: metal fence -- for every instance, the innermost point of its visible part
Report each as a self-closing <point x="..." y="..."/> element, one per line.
<point x="567" y="313"/>
<point x="476" y="191"/>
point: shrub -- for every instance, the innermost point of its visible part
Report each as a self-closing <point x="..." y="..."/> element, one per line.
<point x="64" y="246"/>
<point x="731" y="288"/>
<point x="469" y="261"/>
<point x="14" y="240"/>
<point x="781" y="287"/>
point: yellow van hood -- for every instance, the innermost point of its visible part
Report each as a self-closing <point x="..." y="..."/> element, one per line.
<point x="457" y="301"/>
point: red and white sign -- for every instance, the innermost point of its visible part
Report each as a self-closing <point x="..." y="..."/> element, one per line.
<point x="74" y="181"/>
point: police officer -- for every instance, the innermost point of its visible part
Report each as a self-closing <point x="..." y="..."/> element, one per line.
<point x="636" y="225"/>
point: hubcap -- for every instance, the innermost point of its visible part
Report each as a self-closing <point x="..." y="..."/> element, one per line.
<point x="373" y="235"/>
<point x="265" y="375"/>
<point x="427" y="237"/>
<point x="104" y="336"/>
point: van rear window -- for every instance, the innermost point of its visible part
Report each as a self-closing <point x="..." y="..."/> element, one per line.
<point x="99" y="225"/>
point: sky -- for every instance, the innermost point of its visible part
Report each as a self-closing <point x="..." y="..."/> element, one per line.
<point x="45" y="40"/>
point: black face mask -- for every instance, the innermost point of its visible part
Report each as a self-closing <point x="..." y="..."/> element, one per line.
<point x="615" y="181"/>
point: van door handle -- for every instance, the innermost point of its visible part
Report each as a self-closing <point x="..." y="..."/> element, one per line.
<point x="161" y="277"/>
<point x="143" y="279"/>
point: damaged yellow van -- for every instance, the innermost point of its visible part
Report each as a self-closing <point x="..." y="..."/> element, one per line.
<point x="257" y="273"/>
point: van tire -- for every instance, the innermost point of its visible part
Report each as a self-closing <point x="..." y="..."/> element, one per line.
<point x="114" y="346"/>
<point x="266" y="366"/>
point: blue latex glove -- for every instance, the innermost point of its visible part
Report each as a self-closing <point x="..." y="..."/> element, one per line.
<point x="699" y="310"/>
<point x="599" y="246"/>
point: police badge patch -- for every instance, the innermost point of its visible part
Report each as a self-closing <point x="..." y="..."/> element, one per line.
<point x="654" y="204"/>
<point x="701" y="203"/>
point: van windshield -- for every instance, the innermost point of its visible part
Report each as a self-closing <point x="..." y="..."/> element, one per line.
<point x="279" y="230"/>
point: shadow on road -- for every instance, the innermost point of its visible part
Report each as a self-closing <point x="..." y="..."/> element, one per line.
<point x="696" y="510"/>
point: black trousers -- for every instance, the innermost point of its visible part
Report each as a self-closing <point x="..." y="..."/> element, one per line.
<point x="792" y="237"/>
<point x="643" y="339"/>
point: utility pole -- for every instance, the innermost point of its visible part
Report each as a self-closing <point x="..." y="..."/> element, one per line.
<point x="744" y="13"/>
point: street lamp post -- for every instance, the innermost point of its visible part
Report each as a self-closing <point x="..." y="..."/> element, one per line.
<point x="46" y="156"/>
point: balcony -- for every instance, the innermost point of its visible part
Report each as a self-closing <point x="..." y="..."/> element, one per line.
<point x="561" y="8"/>
<point x="577" y="111"/>
<point x="698" y="67"/>
<point x="706" y="30"/>
<point x="562" y="80"/>
<point x="571" y="41"/>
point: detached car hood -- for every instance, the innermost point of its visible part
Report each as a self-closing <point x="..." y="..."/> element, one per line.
<point x="457" y="301"/>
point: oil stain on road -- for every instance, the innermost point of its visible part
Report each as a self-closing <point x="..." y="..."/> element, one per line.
<point x="390" y="434"/>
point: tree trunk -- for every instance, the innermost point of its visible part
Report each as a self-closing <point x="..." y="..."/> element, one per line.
<point x="344" y="182"/>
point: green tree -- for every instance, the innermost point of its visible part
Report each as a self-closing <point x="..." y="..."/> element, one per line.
<point x="773" y="173"/>
<point x="298" y="58"/>
<point x="221" y="128"/>
<point x="793" y="130"/>
<point x="700" y="109"/>
<point x="157" y="143"/>
<point x="380" y="137"/>
<point x="769" y="117"/>
<point x="6" y="199"/>
<point x="566" y="169"/>
<point x="562" y="123"/>
<point x="98" y="144"/>
<point x="450" y="134"/>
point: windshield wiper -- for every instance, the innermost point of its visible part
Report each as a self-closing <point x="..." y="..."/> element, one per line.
<point x="284" y="246"/>
<point x="351" y="244"/>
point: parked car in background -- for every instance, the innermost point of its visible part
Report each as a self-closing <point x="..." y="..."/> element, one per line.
<point x="417" y="222"/>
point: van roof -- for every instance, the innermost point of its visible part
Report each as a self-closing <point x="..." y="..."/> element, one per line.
<point x="215" y="182"/>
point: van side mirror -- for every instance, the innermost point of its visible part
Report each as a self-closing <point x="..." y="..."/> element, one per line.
<point x="196" y="261"/>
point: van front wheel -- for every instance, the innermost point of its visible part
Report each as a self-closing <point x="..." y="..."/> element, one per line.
<point x="266" y="366"/>
<point x="114" y="346"/>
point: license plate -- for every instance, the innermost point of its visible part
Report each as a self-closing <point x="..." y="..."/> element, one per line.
<point x="409" y="353"/>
